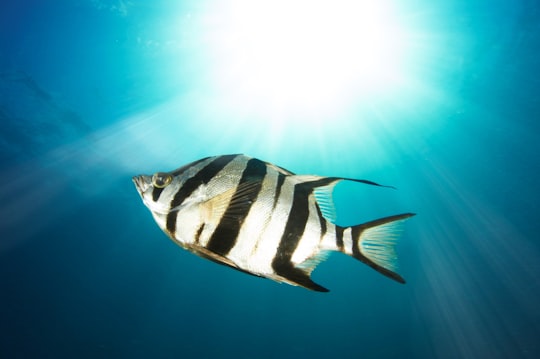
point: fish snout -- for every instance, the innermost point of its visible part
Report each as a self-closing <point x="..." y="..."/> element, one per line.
<point x="140" y="183"/>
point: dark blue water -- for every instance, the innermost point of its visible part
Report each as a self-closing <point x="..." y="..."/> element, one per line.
<point x="93" y="92"/>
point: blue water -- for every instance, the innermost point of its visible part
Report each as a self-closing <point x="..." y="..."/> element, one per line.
<point x="93" y="92"/>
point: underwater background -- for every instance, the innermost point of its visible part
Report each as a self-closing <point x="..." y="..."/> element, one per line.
<point x="440" y="99"/>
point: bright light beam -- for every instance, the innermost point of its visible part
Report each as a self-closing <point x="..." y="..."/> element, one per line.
<point x="300" y="59"/>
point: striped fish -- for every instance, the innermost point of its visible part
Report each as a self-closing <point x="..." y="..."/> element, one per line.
<point x="264" y="220"/>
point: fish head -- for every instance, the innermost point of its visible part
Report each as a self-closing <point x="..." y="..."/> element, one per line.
<point x="158" y="192"/>
<point x="142" y="184"/>
<point x="154" y="190"/>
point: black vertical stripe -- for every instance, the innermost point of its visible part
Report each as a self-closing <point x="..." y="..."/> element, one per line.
<point x="322" y="221"/>
<point x="224" y="237"/>
<point x="202" y="177"/>
<point x="198" y="234"/>
<point x="156" y="192"/>
<point x="170" y="224"/>
<point x="296" y="222"/>
<point x="279" y="184"/>
<point x="339" y="237"/>
<point x="356" y="232"/>
<point x="294" y="228"/>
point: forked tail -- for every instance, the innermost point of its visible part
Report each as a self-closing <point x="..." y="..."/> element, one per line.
<point x="374" y="243"/>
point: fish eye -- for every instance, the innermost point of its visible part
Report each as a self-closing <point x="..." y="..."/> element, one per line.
<point x="161" y="179"/>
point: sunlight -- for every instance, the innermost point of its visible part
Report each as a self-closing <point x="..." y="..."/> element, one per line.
<point x="336" y="79"/>
<point x="305" y="59"/>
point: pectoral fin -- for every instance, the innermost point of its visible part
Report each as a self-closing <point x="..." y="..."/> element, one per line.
<point x="232" y="204"/>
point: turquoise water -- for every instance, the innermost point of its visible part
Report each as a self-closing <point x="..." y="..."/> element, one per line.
<point x="93" y="92"/>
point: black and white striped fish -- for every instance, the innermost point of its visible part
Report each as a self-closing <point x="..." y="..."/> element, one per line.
<point x="262" y="219"/>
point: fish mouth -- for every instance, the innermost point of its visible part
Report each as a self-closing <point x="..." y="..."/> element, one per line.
<point x="140" y="184"/>
<point x="143" y="184"/>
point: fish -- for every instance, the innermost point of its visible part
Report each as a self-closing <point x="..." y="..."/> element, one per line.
<point x="264" y="220"/>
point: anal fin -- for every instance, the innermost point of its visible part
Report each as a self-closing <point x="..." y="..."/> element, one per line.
<point x="298" y="277"/>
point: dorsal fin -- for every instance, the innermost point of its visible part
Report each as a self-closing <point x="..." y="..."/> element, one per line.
<point x="281" y="170"/>
<point x="323" y="189"/>
<point x="367" y="182"/>
<point x="325" y="201"/>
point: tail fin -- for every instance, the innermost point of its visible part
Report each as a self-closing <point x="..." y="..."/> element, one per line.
<point x="374" y="244"/>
